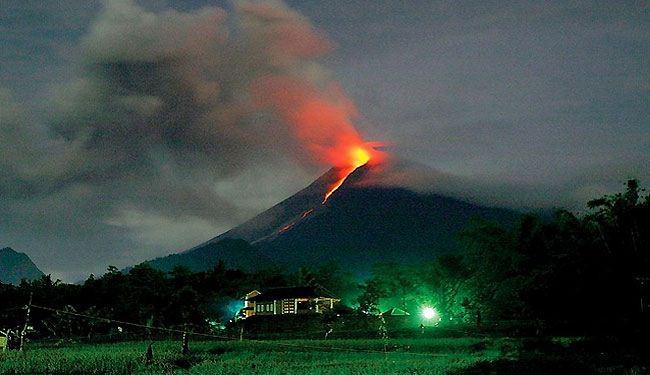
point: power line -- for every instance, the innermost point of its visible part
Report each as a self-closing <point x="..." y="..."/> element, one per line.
<point x="284" y="344"/>
<point x="128" y="323"/>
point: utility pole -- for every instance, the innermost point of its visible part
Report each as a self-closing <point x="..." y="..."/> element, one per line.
<point x="643" y="280"/>
<point x="28" y="311"/>
<point x="148" y="356"/>
<point x="185" y="348"/>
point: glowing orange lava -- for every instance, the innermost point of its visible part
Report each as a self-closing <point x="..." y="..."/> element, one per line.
<point x="321" y="120"/>
<point x="358" y="156"/>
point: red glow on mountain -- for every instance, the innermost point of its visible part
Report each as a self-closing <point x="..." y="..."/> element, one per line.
<point x="321" y="121"/>
<point x="357" y="157"/>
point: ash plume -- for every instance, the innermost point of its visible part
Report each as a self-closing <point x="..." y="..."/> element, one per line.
<point x="163" y="126"/>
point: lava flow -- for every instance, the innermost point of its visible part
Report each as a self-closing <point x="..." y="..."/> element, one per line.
<point x="359" y="156"/>
<point x="321" y="120"/>
<point x="356" y="156"/>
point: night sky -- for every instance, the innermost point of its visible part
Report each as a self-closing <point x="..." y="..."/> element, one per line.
<point x="125" y="132"/>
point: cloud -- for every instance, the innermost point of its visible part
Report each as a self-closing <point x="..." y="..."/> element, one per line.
<point x="570" y="193"/>
<point x="158" y="123"/>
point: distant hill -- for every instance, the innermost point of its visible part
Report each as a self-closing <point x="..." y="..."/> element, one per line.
<point x="358" y="226"/>
<point x="235" y="253"/>
<point x="15" y="266"/>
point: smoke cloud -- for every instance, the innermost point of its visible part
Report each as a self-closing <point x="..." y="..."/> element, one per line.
<point x="163" y="126"/>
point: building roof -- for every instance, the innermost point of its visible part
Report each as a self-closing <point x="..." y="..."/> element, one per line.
<point x="395" y="312"/>
<point x="291" y="292"/>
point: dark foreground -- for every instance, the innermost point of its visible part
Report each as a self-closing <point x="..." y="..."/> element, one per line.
<point x="475" y="355"/>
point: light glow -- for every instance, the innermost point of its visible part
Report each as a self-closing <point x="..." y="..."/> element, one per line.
<point x="430" y="313"/>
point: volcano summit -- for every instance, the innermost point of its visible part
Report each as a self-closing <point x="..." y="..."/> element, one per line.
<point x="359" y="224"/>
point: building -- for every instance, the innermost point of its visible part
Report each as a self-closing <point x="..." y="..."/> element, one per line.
<point x="394" y="312"/>
<point x="292" y="300"/>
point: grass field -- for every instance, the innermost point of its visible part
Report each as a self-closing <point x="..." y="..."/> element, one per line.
<point x="401" y="356"/>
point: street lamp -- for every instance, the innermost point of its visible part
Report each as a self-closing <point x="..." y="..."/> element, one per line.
<point x="429" y="313"/>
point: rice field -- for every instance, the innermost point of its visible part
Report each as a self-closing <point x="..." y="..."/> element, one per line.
<point x="349" y="356"/>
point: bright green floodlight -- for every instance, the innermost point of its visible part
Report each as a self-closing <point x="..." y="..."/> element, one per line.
<point x="429" y="313"/>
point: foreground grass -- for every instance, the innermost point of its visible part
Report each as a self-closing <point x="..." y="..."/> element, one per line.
<point x="359" y="356"/>
<point x="416" y="356"/>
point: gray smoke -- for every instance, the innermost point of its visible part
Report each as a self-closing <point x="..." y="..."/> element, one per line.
<point x="157" y="138"/>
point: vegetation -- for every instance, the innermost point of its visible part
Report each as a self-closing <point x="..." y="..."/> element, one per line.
<point x="178" y="299"/>
<point x="400" y="356"/>
<point x="577" y="275"/>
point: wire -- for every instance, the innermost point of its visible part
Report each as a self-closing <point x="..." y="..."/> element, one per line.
<point x="129" y="323"/>
<point x="232" y="338"/>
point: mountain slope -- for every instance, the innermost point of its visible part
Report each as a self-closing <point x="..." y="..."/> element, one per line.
<point x="235" y="253"/>
<point x="269" y="223"/>
<point x="15" y="266"/>
<point x="362" y="223"/>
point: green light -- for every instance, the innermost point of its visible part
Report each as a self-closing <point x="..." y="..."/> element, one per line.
<point x="429" y="313"/>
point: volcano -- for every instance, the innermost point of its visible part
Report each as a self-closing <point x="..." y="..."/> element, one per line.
<point x="359" y="224"/>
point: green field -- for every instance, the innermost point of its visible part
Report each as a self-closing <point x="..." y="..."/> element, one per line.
<point x="398" y="356"/>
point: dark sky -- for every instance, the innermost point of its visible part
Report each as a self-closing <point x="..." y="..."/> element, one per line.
<point x="109" y="152"/>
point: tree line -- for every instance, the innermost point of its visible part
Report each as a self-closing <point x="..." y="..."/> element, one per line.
<point x="179" y="299"/>
<point x="568" y="272"/>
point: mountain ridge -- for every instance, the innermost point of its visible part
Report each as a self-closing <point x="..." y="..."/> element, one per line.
<point x="16" y="266"/>
<point x="360" y="224"/>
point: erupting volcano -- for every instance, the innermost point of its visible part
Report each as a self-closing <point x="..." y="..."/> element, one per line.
<point x="357" y="157"/>
<point x="321" y="121"/>
<point x="362" y="223"/>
